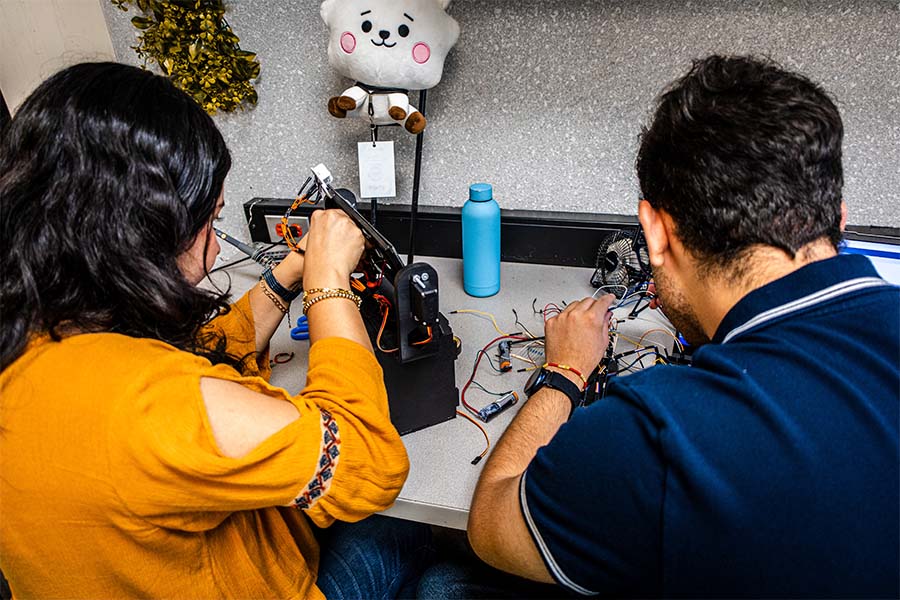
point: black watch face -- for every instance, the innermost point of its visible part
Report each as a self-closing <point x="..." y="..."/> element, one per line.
<point x="534" y="382"/>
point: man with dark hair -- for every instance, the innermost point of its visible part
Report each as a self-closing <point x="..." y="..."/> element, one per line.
<point x="770" y="466"/>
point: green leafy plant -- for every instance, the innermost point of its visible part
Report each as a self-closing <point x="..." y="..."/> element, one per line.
<point x="193" y="44"/>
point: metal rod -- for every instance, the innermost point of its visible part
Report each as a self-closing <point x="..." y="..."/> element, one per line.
<point x="256" y="255"/>
<point x="373" y="213"/>
<point x="414" y="208"/>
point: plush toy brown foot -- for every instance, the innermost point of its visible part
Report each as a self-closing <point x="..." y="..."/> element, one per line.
<point x="397" y="113"/>
<point x="416" y="122"/>
<point x="339" y="105"/>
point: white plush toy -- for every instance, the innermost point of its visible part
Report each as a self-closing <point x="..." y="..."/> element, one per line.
<point x="389" y="47"/>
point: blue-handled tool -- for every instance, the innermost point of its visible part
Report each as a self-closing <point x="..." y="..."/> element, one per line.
<point x="301" y="331"/>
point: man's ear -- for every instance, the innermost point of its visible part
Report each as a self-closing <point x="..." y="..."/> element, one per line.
<point x="843" y="215"/>
<point x="655" y="232"/>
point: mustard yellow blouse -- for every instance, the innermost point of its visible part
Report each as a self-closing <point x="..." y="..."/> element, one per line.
<point x="111" y="484"/>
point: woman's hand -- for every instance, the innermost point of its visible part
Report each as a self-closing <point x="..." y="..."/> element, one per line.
<point x="334" y="246"/>
<point x="579" y="335"/>
<point x="289" y="272"/>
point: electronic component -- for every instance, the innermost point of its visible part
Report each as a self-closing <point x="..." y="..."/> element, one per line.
<point x="256" y="255"/>
<point x="401" y="311"/>
<point x="503" y="355"/>
<point x="424" y="297"/>
<point x="495" y="408"/>
<point x="622" y="261"/>
<point x="381" y="247"/>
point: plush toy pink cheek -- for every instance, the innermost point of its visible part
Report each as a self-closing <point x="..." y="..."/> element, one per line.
<point x="348" y="42"/>
<point x="421" y="53"/>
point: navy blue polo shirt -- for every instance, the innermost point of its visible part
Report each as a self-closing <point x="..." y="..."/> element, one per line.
<point x="767" y="468"/>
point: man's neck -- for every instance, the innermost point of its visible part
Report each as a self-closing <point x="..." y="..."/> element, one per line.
<point x="715" y="295"/>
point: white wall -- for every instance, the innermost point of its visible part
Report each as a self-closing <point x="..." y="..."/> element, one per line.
<point x="39" y="37"/>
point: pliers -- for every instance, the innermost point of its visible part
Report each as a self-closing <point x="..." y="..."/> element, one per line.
<point x="301" y="331"/>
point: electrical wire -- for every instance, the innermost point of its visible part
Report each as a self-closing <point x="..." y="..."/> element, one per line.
<point x="426" y="340"/>
<point x="483" y="352"/>
<point x="522" y="358"/>
<point x="666" y="331"/>
<point x="611" y="285"/>
<point x="521" y="325"/>
<point x="487" y="448"/>
<point x="386" y="306"/>
<point x="651" y="351"/>
<point x="480" y="313"/>
<point x="241" y="260"/>
<point x="487" y="391"/>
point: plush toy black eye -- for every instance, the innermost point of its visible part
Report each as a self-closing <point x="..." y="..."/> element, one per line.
<point x="367" y="26"/>
<point x="403" y="30"/>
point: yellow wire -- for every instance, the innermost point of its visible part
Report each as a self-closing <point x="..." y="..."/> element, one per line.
<point x="483" y="314"/>
<point x="667" y="332"/>
<point x="523" y="359"/>
<point x="628" y="339"/>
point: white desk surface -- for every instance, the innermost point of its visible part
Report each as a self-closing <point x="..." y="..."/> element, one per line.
<point x="441" y="478"/>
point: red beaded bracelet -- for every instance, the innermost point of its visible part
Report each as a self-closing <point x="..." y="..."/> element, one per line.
<point x="570" y="369"/>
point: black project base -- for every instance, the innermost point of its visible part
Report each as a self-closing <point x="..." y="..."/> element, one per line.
<point x="424" y="392"/>
<point x="420" y="378"/>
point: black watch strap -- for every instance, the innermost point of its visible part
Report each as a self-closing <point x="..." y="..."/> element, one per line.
<point x="561" y="383"/>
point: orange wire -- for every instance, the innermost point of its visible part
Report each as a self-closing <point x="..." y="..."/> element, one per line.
<point x="387" y="308"/>
<point x="285" y="223"/>
<point x="426" y="340"/>
<point x="483" y="432"/>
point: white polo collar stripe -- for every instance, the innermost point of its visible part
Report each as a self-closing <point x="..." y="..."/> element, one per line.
<point x="829" y="293"/>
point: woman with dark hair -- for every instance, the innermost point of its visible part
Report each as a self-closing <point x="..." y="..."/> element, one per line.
<point x="144" y="452"/>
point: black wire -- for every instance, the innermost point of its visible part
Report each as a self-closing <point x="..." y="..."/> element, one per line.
<point x="488" y="357"/>
<point x="639" y="359"/>
<point x="516" y="315"/>
<point x="240" y="260"/>
<point x="229" y="265"/>
<point x="488" y="391"/>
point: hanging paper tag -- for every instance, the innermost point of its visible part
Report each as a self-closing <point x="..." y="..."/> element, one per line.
<point x="377" y="178"/>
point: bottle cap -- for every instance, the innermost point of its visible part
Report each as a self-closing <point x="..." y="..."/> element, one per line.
<point x="479" y="192"/>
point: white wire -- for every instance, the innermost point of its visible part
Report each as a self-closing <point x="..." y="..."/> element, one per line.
<point x="611" y="285"/>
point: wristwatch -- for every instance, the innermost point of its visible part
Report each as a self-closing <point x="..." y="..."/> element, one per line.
<point x="547" y="378"/>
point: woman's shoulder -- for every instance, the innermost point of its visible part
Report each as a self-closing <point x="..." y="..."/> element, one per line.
<point x="107" y="354"/>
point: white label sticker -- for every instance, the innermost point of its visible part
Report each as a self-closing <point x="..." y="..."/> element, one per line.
<point x="377" y="178"/>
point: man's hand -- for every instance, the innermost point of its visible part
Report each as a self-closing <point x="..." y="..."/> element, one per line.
<point x="579" y="335"/>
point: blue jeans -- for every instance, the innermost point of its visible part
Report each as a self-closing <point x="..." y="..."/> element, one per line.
<point x="378" y="557"/>
<point x="459" y="574"/>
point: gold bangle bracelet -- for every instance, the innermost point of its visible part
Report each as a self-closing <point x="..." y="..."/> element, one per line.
<point x="308" y="293"/>
<point x="307" y="304"/>
<point x="346" y="293"/>
<point x="271" y="296"/>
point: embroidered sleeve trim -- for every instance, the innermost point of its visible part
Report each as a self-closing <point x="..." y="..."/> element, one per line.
<point x="329" y="452"/>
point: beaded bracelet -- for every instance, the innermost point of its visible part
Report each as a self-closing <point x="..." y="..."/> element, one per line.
<point x="571" y="370"/>
<point x="271" y="296"/>
<point x="286" y="294"/>
<point x="307" y="304"/>
<point x="347" y="293"/>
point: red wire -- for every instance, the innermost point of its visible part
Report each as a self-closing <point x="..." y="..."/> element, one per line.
<point x="483" y="432"/>
<point x="462" y="396"/>
<point x="386" y="305"/>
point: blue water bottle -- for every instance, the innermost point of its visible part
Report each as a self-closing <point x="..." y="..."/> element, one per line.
<point x="481" y="242"/>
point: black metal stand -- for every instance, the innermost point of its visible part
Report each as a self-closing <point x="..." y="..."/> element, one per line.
<point x="417" y="174"/>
